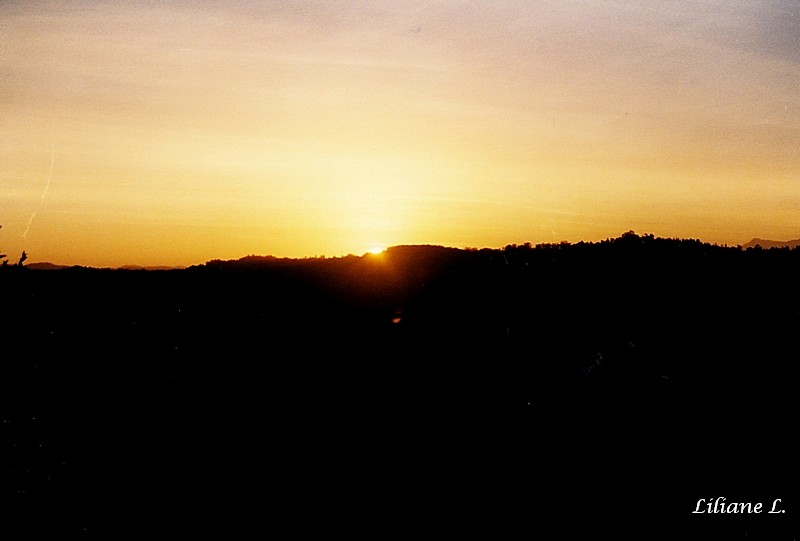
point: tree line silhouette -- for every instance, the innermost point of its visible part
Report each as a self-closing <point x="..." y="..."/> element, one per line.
<point x="627" y="378"/>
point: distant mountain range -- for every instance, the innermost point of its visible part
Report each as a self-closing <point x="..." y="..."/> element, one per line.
<point x="424" y="254"/>
<point x="766" y="244"/>
<point x="152" y="267"/>
<point x="46" y="265"/>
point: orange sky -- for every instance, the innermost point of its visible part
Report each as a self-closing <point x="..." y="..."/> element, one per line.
<point x="141" y="132"/>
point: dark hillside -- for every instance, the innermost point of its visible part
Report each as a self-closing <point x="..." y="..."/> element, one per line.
<point x="600" y="387"/>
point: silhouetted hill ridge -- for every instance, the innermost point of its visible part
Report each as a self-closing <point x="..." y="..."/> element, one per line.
<point x="629" y="244"/>
<point x="149" y="267"/>
<point x="417" y="258"/>
<point x="45" y="265"/>
<point x="523" y="375"/>
<point x="767" y="244"/>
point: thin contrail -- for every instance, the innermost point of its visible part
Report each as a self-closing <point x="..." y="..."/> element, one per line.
<point x="30" y="221"/>
<point x="52" y="164"/>
<point x="47" y="184"/>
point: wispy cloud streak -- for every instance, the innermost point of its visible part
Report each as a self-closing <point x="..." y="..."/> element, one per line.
<point x="47" y="184"/>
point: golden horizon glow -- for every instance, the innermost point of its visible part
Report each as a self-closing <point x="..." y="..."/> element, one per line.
<point x="153" y="134"/>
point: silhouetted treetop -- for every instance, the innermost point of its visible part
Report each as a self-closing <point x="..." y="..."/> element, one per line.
<point x="21" y="260"/>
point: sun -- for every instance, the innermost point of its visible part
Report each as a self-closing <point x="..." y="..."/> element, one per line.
<point x="375" y="250"/>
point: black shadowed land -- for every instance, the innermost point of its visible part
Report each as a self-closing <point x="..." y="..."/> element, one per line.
<point x="598" y="388"/>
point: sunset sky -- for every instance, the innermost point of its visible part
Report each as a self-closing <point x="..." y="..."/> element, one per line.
<point x="171" y="133"/>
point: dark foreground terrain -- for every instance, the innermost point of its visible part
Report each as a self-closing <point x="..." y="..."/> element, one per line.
<point x="562" y="392"/>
